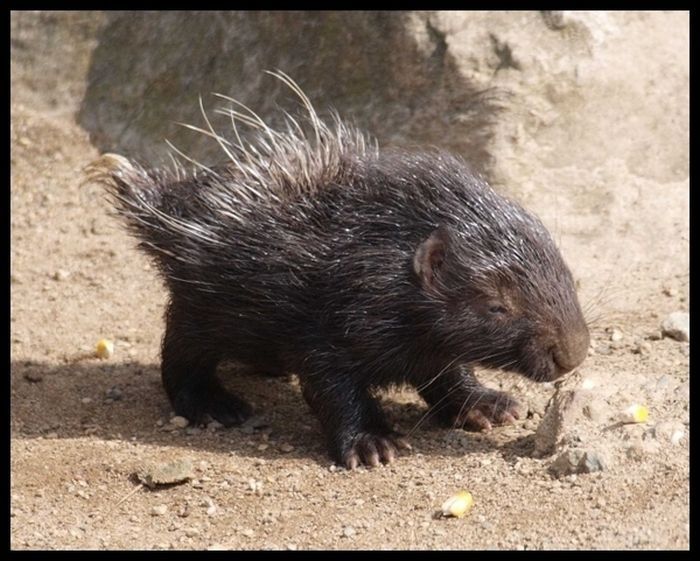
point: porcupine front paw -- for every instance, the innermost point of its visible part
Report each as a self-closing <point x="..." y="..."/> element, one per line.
<point x="371" y="449"/>
<point x="484" y="408"/>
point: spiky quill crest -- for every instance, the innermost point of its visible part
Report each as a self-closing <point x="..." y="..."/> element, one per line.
<point x="269" y="167"/>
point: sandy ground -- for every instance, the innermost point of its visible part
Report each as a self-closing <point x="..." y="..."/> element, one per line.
<point x="81" y="427"/>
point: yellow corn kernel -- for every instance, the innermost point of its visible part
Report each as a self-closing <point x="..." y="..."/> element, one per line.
<point x="635" y="414"/>
<point x="458" y="505"/>
<point x="104" y="348"/>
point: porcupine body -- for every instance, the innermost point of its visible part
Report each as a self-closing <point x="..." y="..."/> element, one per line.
<point x="353" y="268"/>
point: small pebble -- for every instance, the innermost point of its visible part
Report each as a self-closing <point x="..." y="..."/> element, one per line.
<point x="75" y="533"/>
<point x="167" y="473"/>
<point x="192" y="431"/>
<point x="655" y="335"/>
<point x="591" y="462"/>
<point x="286" y="447"/>
<point x="113" y="393"/>
<point x="616" y="335"/>
<point x="669" y="431"/>
<point x="663" y="382"/>
<point x="348" y="532"/>
<point x="192" y="532"/>
<point x="566" y="462"/>
<point x="217" y="547"/>
<point x="159" y="510"/>
<point x="677" y="326"/>
<point x="60" y="275"/>
<point x="248" y="533"/>
<point x="576" y="460"/>
<point x="86" y="400"/>
<point x="179" y="422"/>
<point x="669" y="291"/>
<point x="642" y="348"/>
<point x="33" y="377"/>
<point x="214" y="425"/>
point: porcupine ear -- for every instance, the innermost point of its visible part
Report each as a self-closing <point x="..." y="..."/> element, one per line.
<point x="430" y="255"/>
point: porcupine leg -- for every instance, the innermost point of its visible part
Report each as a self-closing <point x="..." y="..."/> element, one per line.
<point x="458" y="399"/>
<point x="188" y="372"/>
<point x="356" y="428"/>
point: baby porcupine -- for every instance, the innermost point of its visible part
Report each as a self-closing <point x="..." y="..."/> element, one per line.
<point x="353" y="268"/>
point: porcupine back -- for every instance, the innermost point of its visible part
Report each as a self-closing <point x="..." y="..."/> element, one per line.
<point x="300" y="232"/>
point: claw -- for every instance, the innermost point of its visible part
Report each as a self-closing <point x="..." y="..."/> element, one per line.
<point x="373" y="450"/>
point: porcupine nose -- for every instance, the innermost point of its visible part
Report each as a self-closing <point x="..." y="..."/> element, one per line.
<point x="571" y="350"/>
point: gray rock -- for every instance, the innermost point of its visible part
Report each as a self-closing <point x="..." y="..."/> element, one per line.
<point x="677" y="326"/>
<point x="575" y="461"/>
<point x="130" y="76"/>
<point x="168" y="473"/>
<point x="567" y="462"/>
<point x="591" y="461"/>
<point x="565" y="417"/>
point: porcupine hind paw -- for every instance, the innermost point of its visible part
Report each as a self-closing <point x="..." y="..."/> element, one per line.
<point x="212" y="400"/>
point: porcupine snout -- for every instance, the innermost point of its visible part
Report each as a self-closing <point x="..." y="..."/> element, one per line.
<point x="571" y="349"/>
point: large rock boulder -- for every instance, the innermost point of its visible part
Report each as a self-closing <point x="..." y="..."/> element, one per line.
<point x="581" y="115"/>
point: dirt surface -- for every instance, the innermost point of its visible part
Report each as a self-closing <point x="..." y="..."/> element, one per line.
<point x="82" y="427"/>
